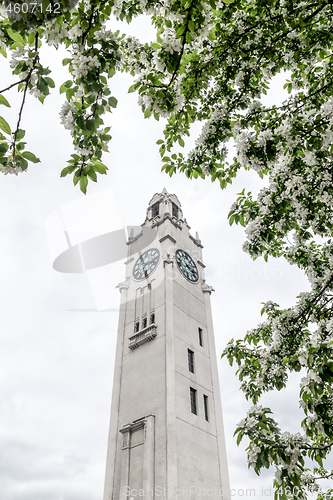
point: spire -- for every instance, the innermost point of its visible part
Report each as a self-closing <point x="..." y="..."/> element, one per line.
<point x="164" y="191"/>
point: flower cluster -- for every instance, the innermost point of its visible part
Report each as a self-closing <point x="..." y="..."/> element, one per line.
<point x="11" y="167"/>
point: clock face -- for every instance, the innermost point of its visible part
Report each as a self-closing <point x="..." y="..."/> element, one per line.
<point x="186" y="266"/>
<point x="146" y="264"/>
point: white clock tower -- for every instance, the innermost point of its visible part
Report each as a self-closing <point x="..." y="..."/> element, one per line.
<point x="166" y="431"/>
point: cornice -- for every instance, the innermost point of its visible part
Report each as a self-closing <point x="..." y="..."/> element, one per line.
<point x="168" y="237"/>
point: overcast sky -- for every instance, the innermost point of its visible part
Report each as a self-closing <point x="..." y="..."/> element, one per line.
<point x="57" y="350"/>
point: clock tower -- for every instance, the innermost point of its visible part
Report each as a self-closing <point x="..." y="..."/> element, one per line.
<point x="166" y="435"/>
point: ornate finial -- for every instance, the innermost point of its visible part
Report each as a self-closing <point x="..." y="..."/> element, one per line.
<point x="131" y="236"/>
<point x="168" y="258"/>
<point x="124" y="285"/>
<point x="207" y="288"/>
<point x="197" y="237"/>
<point x="165" y="196"/>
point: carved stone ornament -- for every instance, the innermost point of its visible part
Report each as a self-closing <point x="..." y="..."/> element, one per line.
<point x="207" y="288"/>
<point x="166" y="197"/>
<point x="168" y="258"/>
<point x="124" y="285"/>
<point x="143" y="336"/>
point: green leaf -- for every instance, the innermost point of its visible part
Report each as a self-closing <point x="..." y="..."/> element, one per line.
<point x="4" y="126"/>
<point x="92" y="175"/>
<point x="132" y="88"/>
<point x="156" y="45"/>
<point x="20" y="146"/>
<point x="111" y="72"/>
<point x="31" y="38"/>
<point x="22" y="161"/>
<point x="4" y="101"/>
<point x="15" y="36"/>
<point x="43" y="86"/>
<point x="76" y="177"/>
<point x="65" y="171"/>
<point x="65" y="86"/>
<point x="180" y="31"/>
<point x="31" y="157"/>
<point x="112" y="102"/>
<point x="50" y="82"/>
<point x="20" y="134"/>
<point x="91" y="125"/>
<point x="100" y="167"/>
<point x="70" y="93"/>
<point x="181" y="142"/>
<point x="66" y="61"/>
<point x="191" y="26"/>
<point x="83" y="183"/>
<point x="3" y="148"/>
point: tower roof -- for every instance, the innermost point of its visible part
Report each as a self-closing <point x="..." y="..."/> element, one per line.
<point x="165" y="196"/>
<point x="164" y="205"/>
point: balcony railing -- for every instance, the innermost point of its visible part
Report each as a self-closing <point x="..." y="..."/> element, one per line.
<point x="143" y="336"/>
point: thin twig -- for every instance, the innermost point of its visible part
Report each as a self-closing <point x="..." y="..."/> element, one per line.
<point x="27" y="80"/>
<point x="13" y="85"/>
<point x="85" y="33"/>
<point x="324" y="477"/>
<point x="318" y="448"/>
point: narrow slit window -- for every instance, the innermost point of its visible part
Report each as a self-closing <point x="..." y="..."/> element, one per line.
<point x="175" y="211"/>
<point x="193" y="396"/>
<point x="200" y="336"/>
<point x="144" y="322"/>
<point x="205" y="398"/>
<point x="152" y="318"/>
<point x="190" y="355"/>
<point x="155" y="209"/>
<point x="137" y="326"/>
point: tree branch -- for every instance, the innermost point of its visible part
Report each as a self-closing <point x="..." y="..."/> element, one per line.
<point x="27" y="80"/>
<point x="13" y="85"/>
<point x="85" y="33"/>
